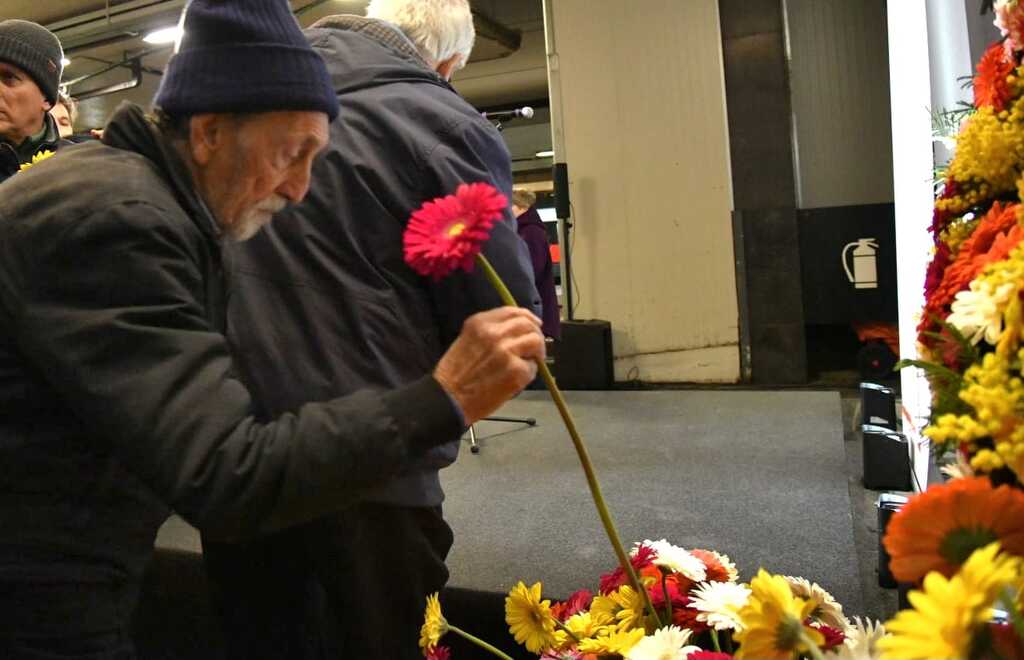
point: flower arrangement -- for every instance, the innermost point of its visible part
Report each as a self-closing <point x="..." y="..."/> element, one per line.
<point x="961" y="543"/>
<point x="705" y="613"/>
<point x="661" y="601"/>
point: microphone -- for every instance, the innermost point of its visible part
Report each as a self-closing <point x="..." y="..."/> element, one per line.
<point x="525" y="111"/>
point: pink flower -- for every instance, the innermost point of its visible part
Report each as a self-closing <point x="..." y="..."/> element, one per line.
<point x="439" y="653"/>
<point x="1010" y="21"/>
<point x="708" y="655"/>
<point x="446" y="233"/>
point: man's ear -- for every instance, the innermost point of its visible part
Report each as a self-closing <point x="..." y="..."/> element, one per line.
<point x="447" y="68"/>
<point x="206" y="134"/>
<point x="47" y="106"/>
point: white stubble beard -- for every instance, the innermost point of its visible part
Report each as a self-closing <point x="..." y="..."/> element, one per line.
<point x="255" y="218"/>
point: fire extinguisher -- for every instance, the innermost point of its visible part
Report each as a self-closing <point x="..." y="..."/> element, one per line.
<point x="864" y="274"/>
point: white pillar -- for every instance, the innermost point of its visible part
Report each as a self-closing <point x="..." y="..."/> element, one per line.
<point x="912" y="165"/>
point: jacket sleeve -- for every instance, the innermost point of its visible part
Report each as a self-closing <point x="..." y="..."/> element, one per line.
<point x="112" y="313"/>
<point x="540" y="251"/>
<point x="473" y="153"/>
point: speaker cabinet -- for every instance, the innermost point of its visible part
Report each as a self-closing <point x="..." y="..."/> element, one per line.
<point x="583" y="357"/>
<point x="886" y="459"/>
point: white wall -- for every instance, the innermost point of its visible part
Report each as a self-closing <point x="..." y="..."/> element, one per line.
<point x="639" y="93"/>
<point x="838" y="73"/>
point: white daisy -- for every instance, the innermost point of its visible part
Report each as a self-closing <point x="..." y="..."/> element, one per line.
<point x="978" y="312"/>
<point x="828" y="611"/>
<point x="860" y="643"/>
<point x="665" y="644"/>
<point x="676" y="559"/>
<point x="719" y="604"/>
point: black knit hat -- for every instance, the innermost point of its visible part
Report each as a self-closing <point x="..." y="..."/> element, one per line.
<point x="36" y="51"/>
<point x="244" y="56"/>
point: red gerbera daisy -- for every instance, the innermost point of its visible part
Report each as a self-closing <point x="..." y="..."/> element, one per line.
<point x="574" y="604"/>
<point x="644" y="557"/>
<point x="990" y="86"/>
<point x="446" y="233"/>
<point x="708" y="655"/>
<point x="833" y="637"/>
<point x="438" y="653"/>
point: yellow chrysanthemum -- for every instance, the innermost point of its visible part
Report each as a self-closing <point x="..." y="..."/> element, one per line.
<point x="624" y="607"/>
<point x="38" y="158"/>
<point x="616" y="643"/>
<point x="947" y="613"/>
<point x="434" y="624"/>
<point x="529" y="618"/>
<point x="773" y="620"/>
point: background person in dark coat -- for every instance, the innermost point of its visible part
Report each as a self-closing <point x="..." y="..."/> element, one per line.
<point x="531" y="230"/>
<point x="323" y="304"/>
<point x="118" y="396"/>
<point x="30" y="70"/>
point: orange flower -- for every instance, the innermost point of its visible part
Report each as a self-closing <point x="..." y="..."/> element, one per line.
<point x="937" y="530"/>
<point x="996" y="234"/>
<point x="990" y="87"/>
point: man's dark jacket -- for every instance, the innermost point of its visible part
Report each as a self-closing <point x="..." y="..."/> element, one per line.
<point x="12" y="158"/>
<point x="117" y="394"/>
<point x="322" y="302"/>
<point x="531" y="230"/>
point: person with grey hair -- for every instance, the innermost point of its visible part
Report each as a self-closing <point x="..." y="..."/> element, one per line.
<point x="119" y="399"/>
<point x="404" y="137"/>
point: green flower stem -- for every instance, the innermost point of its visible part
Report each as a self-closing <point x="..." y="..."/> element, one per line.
<point x="581" y="450"/>
<point x="561" y="626"/>
<point x="479" y="642"/>
<point x="812" y="649"/>
<point x="714" y="640"/>
<point x="668" y="600"/>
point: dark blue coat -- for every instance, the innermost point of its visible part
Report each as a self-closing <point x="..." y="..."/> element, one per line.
<point x="322" y="302"/>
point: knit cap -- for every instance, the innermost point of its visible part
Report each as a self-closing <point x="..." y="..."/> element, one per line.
<point x="36" y="51"/>
<point x="244" y="56"/>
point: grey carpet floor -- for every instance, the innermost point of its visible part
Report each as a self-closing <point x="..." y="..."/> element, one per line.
<point x="759" y="476"/>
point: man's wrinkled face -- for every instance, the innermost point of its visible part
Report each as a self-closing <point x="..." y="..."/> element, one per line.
<point x="22" y="105"/>
<point x="259" y="164"/>
<point x="63" y="118"/>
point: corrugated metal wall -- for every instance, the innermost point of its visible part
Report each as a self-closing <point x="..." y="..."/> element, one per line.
<point x="646" y="143"/>
<point x="839" y="76"/>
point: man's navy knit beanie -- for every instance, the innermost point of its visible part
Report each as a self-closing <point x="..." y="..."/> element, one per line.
<point x="244" y="56"/>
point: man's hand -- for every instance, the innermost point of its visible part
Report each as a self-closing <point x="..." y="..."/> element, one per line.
<point x="492" y="360"/>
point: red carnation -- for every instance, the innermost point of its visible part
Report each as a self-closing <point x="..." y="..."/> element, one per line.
<point x="990" y="86"/>
<point x="644" y="557"/>
<point x="446" y="233"/>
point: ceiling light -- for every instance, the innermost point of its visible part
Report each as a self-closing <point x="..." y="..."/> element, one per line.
<point x="64" y="61"/>
<point x="163" y="35"/>
<point x="544" y="154"/>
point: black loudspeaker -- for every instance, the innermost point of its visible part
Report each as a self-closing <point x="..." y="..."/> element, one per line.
<point x="888" y="504"/>
<point x="886" y="459"/>
<point x="583" y="357"/>
<point x="878" y="405"/>
<point x="560" y="178"/>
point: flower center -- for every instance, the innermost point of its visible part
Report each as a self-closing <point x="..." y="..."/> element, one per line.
<point x="456" y="229"/>
<point x="960" y="543"/>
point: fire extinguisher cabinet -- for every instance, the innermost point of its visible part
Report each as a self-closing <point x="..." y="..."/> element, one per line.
<point x="848" y="264"/>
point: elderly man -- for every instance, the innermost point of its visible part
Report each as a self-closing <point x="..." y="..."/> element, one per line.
<point x="30" y="70"/>
<point x="118" y="399"/>
<point x="404" y="137"/>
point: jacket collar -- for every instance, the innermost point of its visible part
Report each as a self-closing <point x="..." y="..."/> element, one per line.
<point x="131" y="130"/>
